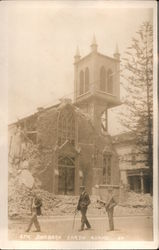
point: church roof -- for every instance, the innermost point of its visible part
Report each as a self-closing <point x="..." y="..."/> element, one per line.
<point x="53" y="110"/>
<point x="99" y="54"/>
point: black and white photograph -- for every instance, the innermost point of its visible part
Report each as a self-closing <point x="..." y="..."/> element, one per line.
<point x="79" y="81"/>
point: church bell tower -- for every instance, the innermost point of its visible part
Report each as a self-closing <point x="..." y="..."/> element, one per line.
<point x="97" y="84"/>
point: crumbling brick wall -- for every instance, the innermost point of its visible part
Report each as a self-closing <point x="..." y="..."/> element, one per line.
<point x="47" y="128"/>
<point x="90" y="141"/>
<point x="47" y="139"/>
<point x="85" y="162"/>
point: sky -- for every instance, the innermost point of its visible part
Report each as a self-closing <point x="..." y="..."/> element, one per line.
<point x="40" y="39"/>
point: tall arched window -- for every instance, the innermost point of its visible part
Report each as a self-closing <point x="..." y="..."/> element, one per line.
<point x="66" y="181"/>
<point x="106" y="169"/>
<point x="86" y="80"/>
<point x="110" y="81"/>
<point x="81" y="87"/>
<point x="102" y="79"/>
<point x="66" y="127"/>
<point x="104" y="122"/>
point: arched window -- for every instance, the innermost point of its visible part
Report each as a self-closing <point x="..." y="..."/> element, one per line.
<point x="66" y="127"/>
<point x="106" y="169"/>
<point x="102" y="79"/>
<point x="104" y="122"/>
<point x="110" y="81"/>
<point x="66" y="181"/>
<point x="81" y="87"/>
<point x="86" y="80"/>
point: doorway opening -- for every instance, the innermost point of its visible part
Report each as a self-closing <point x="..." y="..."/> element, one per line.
<point x="66" y="183"/>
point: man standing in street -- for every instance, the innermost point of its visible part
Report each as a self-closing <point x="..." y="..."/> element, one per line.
<point x="109" y="207"/>
<point x="36" y="204"/>
<point x="83" y="203"/>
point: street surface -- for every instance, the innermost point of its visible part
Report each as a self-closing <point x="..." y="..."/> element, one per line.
<point x="132" y="228"/>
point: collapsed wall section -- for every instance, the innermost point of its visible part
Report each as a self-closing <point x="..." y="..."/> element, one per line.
<point x="47" y="138"/>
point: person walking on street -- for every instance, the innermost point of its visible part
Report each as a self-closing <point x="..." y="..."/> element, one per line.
<point x="36" y="204"/>
<point x="83" y="203"/>
<point x="109" y="207"/>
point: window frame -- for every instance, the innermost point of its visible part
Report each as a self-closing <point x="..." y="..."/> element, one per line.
<point x="66" y="127"/>
<point x="81" y="82"/>
<point x="103" y="79"/>
<point x="107" y="169"/>
<point x="109" y="81"/>
<point x="86" y="85"/>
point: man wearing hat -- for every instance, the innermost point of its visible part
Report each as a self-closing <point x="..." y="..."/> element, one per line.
<point x="109" y="207"/>
<point x="36" y="204"/>
<point x="83" y="203"/>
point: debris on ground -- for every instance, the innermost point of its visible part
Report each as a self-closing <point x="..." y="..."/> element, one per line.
<point x="138" y="200"/>
<point x="19" y="202"/>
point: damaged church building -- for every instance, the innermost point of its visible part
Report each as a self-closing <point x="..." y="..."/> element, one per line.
<point x="72" y="136"/>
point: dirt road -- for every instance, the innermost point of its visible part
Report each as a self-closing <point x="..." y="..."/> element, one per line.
<point x="136" y="228"/>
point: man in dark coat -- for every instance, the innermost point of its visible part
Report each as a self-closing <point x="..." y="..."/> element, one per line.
<point x="36" y="204"/>
<point x="83" y="203"/>
<point x="109" y="207"/>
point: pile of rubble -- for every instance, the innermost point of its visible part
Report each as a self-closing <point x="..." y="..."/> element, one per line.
<point x="138" y="200"/>
<point x="57" y="204"/>
<point x="19" y="202"/>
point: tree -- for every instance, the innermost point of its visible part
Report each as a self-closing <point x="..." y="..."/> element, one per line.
<point x="137" y="76"/>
